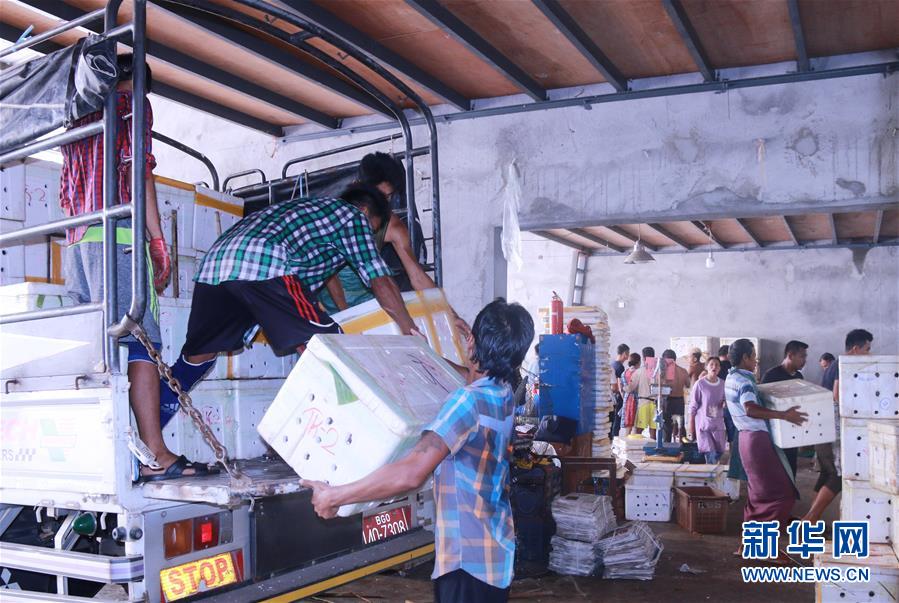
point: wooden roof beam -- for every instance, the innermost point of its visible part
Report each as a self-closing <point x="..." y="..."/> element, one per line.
<point x="633" y="239"/>
<point x="580" y="40"/>
<point x="790" y="231"/>
<point x="691" y="40"/>
<point x="595" y="239"/>
<point x="377" y="51"/>
<point x="706" y="230"/>
<point x="659" y="228"/>
<point x="444" y="19"/>
<point x="802" y="62"/>
<point x="557" y="239"/>
<point x="878" y="223"/>
<point x="745" y="228"/>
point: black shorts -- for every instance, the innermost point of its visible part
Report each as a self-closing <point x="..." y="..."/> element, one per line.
<point x="220" y="316"/>
<point x="459" y="586"/>
<point x="828" y="475"/>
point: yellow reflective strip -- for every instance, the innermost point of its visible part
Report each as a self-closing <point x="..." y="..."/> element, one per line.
<point x="175" y="183"/>
<point x="362" y="572"/>
<point x="228" y="208"/>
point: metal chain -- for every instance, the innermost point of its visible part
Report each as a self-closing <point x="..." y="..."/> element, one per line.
<point x="165" y="371"/>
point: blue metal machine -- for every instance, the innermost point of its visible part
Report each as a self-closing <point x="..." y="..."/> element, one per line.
<point x="568" y="379"/>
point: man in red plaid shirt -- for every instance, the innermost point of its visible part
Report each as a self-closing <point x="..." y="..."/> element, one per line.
<point x="81" y="191"/>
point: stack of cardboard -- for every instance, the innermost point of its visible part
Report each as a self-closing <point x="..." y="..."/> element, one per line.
<point x="869" y="442"/>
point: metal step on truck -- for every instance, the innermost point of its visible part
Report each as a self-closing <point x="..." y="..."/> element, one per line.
<point x="72" y="516"/>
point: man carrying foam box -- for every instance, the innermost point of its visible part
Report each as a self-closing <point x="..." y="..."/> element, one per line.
<point x="467" y="449"/>
<point x="267" y="269"/>
<point x="830" y="483"/>
<point x="795" y="357"/>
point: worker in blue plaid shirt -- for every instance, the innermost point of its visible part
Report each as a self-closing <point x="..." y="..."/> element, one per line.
<point x="267" y="270"/>
<point x="466" y="447"/>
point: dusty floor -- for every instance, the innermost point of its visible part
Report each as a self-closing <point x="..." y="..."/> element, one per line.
<point x="720" y="580"/>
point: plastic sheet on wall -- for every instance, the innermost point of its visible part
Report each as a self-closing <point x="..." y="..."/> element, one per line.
<point x="511" y="237"/>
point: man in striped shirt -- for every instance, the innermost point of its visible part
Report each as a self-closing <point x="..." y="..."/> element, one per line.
<point x="466" y="448"/>
<point x="267" y="270"/>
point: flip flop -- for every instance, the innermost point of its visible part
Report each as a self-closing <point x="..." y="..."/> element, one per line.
<point x="177" y="469"/>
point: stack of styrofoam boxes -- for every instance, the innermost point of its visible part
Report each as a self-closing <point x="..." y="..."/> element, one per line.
<point x="24" y="297"/>
<point x="755" y="342"/>
<point x="595" y="318"/>
<point x="714" y="476"/>
<point x="684" y="346"/>
<point x="29" y="196"/>
<point x="629" y="449"/>
<point x="354" y="403"/>
<point x="649" y="494"/>
<point x="869" y="425"/>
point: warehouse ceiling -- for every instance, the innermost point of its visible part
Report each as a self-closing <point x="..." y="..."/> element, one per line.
<point x="864" y="226"/>
<point x="454" y="52"/>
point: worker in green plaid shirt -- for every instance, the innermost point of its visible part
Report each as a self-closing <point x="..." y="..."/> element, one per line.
<point x="267" y="270"/>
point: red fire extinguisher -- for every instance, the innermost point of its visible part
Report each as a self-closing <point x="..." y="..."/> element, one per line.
<point x="556" y="317"/>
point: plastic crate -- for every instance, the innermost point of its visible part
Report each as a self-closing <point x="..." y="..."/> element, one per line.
<point x="701" y="510"/>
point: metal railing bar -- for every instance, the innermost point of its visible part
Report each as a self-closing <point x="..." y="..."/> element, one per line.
<point x="56" y="140"/>
<point x="52" y="33"/>
<point x="122" y="30"/>
<point x="231" y="177"/>
<point x="51" y="313"/>
<point x="95" y="217"/>
<point x="193" y="153"/>
<point x="330" y="152"/>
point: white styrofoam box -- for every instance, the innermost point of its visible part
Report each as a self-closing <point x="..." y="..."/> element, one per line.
<point x="41" y="192"/>
<point x="214" y="213"/>
<point x="52" y="347"/>
<point x="654" y="475"/>
<point x="187" y="269"/>
<point x="883" y="587"/>
<point x="883" y="450"/>
<point x="354" y="403"/>
<point x="429" y="310"/>
<point x="233" y="410"/>
<point x="12" y="192"/>
<point x="869" y="387"/>
<point x="683" y="346"/>
<point x="178" y="197"/>
<point x="861" y="502"/>
<point x="816" y="401"/>
<point x="854" y="449"/>
<point x="688" y="475"/>
<point x="12" y="259"/>
<point x="24" y="297"/>
<point x="728" y="485"/>
<point x="648" y="503"/>
<point x="257" y="362"/>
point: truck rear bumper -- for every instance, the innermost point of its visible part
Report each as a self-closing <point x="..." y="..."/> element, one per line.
<point x="306" y="582"/>
<point x="86" y="566"/>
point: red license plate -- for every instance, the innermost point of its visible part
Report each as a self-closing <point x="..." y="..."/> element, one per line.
<point x="387" y="524"/>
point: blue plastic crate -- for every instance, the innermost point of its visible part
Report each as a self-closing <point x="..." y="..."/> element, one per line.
<point x="567" y="379"/>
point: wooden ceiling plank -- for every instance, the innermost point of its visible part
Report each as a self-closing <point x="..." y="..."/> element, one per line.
<point x="580" y="40"/>
<point x="691" y="40"/>
<point x="561" y="241"/>
<point x="706" y="231"/>
<point x="802" y="61"/>
<point x="745" y="228"/>
<point x="377" y="51"/>
<point x="878" y="224"/>
<point x="452" y="25"/>
<point x="660" y="228"/>
<point x="260" y="47"/>
<point x="633" y="239"/>
<point x="792" y="234"/>
<point x="595" y="239"/>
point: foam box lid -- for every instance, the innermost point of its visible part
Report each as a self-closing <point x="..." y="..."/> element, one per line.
<point x="650" y="468"/>
<point x="688" y="470"/>
<point x="354" y="403"/>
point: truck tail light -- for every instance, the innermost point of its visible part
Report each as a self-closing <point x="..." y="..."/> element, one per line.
<point x="177" y="538"/>
<point x="206" y="532"/>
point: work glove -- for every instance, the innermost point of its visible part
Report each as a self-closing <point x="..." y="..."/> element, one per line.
<point x="162" y="264"/>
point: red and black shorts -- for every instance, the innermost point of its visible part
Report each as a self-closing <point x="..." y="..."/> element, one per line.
<point x="221" y="314"/>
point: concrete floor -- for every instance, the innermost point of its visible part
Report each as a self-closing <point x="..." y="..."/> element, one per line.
<point x="720" y="580"/>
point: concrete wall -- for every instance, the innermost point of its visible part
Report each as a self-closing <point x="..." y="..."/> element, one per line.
<point x="797" y="145"/>
<point x="815" y="296"/>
